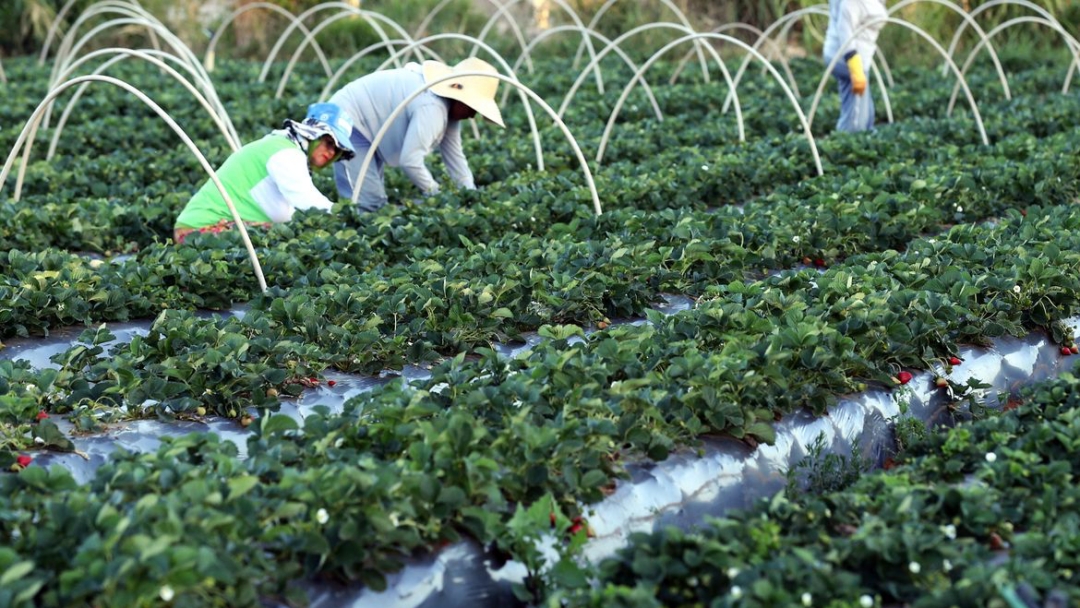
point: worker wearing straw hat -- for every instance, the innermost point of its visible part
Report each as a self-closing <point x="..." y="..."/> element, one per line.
<point x="431" y="120"/>
<point x="846" y="19"/>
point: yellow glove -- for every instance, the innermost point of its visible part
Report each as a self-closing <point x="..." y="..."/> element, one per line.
<point x="858" y="76"/>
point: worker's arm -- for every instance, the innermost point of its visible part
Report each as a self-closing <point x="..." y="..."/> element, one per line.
<point x="289" y="171"/>
<point x="426" y="128"/>
<point x="454" y="157"/>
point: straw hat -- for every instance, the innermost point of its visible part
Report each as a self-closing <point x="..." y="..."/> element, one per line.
<point x="477" y="92"/>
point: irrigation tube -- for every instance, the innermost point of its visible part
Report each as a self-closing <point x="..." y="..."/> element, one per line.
<point x="498" y="59"/>
<point x="573" y="17"/>
<point x="983" y="39"/>
<point x="1070" y="42"/>
<point x="681" y="16"/>
<point x="618" y="50"/>
<point x="121" y="54"/>
<point x="35" y="118"/>
<point x="736" y="42"/>
<point x="208" y="57"/>
<point x="507" y="79"/>
<point x="967" y="92"/>
<point x="642" y="28"/>
<point x="368" y="16"/>
<point x="518" y="35"/>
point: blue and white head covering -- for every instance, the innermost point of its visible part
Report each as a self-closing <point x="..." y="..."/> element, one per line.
<point x="323" y="119"/>
<point x="337" y="124"/>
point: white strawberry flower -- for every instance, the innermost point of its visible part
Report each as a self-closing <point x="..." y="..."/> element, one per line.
<point x="991" y="457"/>
<point x="322" y="516"/>
<point x="914" y="567"/>
<point x="807" y="599"/>
<point x="166" y="593"/>
<point x="736" y="592"/>
<point x="949" y="531"/>
<point x="866" y="601"/>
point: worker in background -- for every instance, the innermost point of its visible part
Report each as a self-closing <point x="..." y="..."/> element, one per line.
<point x="847" y="36"/>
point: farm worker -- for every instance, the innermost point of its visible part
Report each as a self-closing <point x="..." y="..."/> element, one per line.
<point x="269" y="179"/>
<point x="846" y="34"/>
<point x="430" y="120"/>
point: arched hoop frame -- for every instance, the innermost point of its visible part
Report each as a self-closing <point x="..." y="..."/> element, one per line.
<point x="35" y="118"/>
<point x="498" y="59"/>
<point x="54" y="27"/>
<point x="682" y="20"/>
<point x="217" y="114"/>
<point x="975" y="12"/>
<point x="371" y="18"/>
<point x="1070" y="42"/>
<point x="573" y="17"/>
<point x="311" y="37"/>
<point x="967" y="91"/>
<point x="68" y="50"/>
<point x="604" y="39"/>
<point x="388" y="44"/>
<point x="780" y="55"/>
<point x="208" y="57"/>
<point x="711" y="36"/>
<point x="511" y="82"/>
<point x="968" y="20"/>
<point x="421" y="30"/>
<point x="651" y="26"/>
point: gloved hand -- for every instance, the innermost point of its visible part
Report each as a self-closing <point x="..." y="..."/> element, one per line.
<point x="858" y="76"/>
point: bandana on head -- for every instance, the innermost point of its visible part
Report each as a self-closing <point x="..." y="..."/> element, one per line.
<point x="300" y="134"/>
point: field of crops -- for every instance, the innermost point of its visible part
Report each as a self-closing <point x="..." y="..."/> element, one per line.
<point x="914" y="245"/>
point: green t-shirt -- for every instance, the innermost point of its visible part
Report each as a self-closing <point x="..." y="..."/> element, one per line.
<point x="242" y="171"/>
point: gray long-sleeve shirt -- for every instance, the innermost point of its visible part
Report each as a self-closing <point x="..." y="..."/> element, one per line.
<point x="415" y="133"/>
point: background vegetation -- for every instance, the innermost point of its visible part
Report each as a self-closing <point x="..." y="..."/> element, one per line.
<point x="26" y="22"/>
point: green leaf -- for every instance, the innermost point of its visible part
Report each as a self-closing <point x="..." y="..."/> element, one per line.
<point x="241" y="485"/>
<point x="15" y="572"/>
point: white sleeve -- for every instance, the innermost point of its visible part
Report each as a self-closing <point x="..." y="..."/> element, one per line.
<point x="289" y="170"/>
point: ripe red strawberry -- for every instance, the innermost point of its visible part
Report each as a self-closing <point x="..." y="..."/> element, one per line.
<point x="904" y="377"/>
<point x="1066" y="351"/>
<point x="42" y="415"/>
<point x="955" y="360"/>
<point x="574" y="529"/>
<point x="23" y="460"/>
<point x="996" y="543"/>
<point x="1075" y="349"/>
<point x="330" y="382"/>
<point x="820" y="263"/>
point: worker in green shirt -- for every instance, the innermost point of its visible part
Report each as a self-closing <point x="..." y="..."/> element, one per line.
<point x="269" y="179"/>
